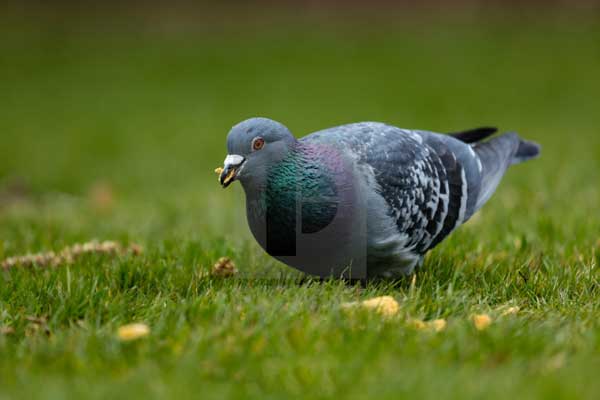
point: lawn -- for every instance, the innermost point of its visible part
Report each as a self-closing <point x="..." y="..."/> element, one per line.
<point x="113" y="134"/>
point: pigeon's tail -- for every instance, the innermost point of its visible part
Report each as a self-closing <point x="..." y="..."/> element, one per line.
<point x="496" y="155"/>
<point x="526" y="151"/>
<point x="474" y="135"/>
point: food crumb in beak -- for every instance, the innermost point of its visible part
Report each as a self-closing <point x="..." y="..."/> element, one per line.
<point x="229" y="177"/>
<point x="218" y="171"/>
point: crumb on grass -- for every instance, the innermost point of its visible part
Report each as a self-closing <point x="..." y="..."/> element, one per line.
<point x="386" y="306"/>
<point x="224" y="267"/>
<point x="481" y="321"/>
<point x="436" y="325"/>
<point x="130" y="332"/>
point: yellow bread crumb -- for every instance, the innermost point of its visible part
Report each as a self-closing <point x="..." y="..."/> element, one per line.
<point x="386" y="306"/>
<point x="438" y="325"/>
<point x="131" y="332"/>
<point x="481" y="321"/>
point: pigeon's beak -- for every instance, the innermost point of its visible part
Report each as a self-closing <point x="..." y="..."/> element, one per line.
<point x="231" y="168"/>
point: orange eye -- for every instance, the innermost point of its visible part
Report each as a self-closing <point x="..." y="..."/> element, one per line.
<point x="258" y="143"/>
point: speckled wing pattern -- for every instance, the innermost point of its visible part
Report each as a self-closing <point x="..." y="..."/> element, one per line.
<point x="419" y="176"/>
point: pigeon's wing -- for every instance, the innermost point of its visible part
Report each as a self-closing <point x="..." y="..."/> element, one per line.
<point x="423" y="191"/>
<point x="459" y="167"/>
<point x="432" y="183"/>
<point x="482" y="163"/>
<point x="422" y="179"/>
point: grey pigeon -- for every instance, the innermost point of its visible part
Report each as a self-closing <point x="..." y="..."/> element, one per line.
<point x="366" y="199"/>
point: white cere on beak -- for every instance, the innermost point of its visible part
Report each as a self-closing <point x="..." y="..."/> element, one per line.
<point x="233" y="160"/>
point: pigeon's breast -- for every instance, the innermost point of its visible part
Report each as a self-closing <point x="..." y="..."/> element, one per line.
<point x="307" y="214"/>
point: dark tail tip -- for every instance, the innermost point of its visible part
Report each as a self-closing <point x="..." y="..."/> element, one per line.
<point x="475" y="135"/>
<point x="526" y="151"/>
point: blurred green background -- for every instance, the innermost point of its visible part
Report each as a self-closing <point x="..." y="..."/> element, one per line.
<point x="114" y="116"/>
<point x="138" y="98"/>
<point x="145" y="103"/>
<point x="142" y="96"/>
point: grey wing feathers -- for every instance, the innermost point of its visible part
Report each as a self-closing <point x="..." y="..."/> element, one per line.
<point x="466" y="174"/>
<point x="432" y="183"/>
<point x="423" y="178"/>
<point x="409" y="176"/>
<point x="458" y="165"/>
<point x="462" y="165"/>
<point x="414" y="184"/>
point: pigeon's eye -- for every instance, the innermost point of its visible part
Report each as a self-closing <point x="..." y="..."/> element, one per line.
<point x="258" y="143"/>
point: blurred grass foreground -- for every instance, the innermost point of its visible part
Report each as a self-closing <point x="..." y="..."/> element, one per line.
<point x="112" y="119"/>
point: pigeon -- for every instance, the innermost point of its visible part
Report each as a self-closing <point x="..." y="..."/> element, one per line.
<point x="363" y="200"/>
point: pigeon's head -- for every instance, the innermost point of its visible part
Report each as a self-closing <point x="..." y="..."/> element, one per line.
<point x="253" y="146"/>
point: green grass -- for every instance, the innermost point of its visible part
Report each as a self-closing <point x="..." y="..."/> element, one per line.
<point x="147" y="113"/>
